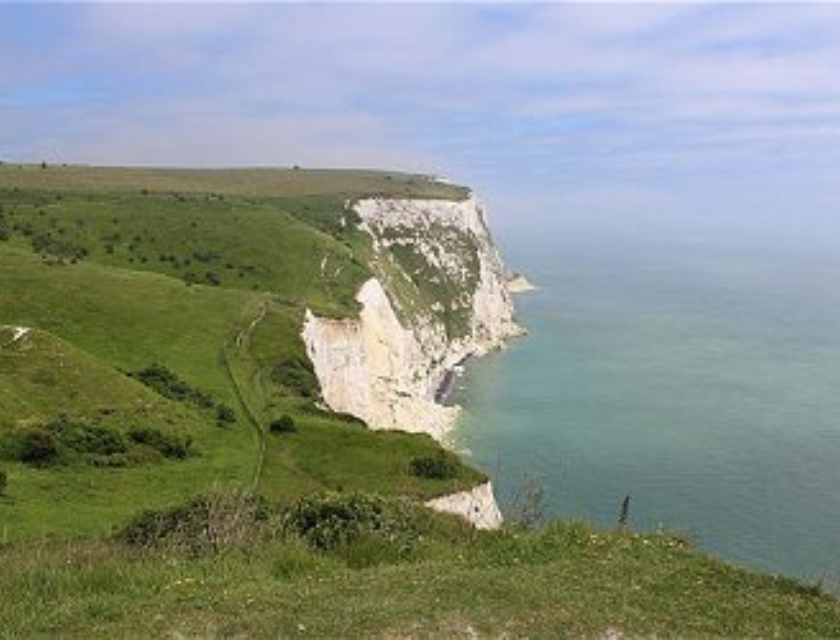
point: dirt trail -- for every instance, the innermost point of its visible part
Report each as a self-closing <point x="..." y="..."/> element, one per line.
<point x="241" y="342"/>
<point x="245" y="334"/>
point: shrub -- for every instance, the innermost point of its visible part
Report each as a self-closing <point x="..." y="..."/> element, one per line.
<point x="110" y="460"/>
<point x="169" y="385"/>
<point x="169" y="444"/>
<point x="332" y="520"/>
<point x="224" y="415"/>
<point x="210" y="522"/>
<point x="38" y="447"/>
<point x="87" y="438"/>
<point x="283" y="424"/>
<point x="4" y="482"/>
<point x="439" y="467"/>
<point x="296" y="375"/>
<point x="46" y="245"/>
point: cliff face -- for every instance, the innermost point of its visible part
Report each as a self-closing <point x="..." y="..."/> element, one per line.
<point x="439" y="295"/>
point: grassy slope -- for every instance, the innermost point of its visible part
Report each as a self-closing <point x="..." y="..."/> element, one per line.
<point x="249" y="182"/>
<point x="42" y="376"/>
<point x="126" y="320"/>
<point x="238" y="243"/>
<point x="125" y="308"/>
<point x="566" y="581"/>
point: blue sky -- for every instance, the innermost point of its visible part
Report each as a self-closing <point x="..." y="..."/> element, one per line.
<point x="593" y="108"/>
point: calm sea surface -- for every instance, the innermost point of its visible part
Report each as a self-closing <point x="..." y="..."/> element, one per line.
<point x="698" y="374"/>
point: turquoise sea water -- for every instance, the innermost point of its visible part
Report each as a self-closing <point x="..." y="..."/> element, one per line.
<point x="699" y="376"/>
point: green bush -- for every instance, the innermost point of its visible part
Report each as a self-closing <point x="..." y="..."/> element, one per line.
<point x="37" y="447"/>
<point x="205" y="523"/>
<point x="46" y="244"/>
<point x="224" y="415"/>
<point x="443" y="466"/>
<point x="297" y="377"/>
<point x="169" y="385"/>
<point x="4" y="482"/>
<point x="169" y="444"/>
<point x="332" y="520"/>
<point x="284" y="424"/>
<point x="82" y="437"/>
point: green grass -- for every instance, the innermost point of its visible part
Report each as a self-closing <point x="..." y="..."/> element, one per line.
<point x="565" y="581"/>
<point x="42" y="376"/>
<point x="250" y="182"/>
<point x="240" y="243"/>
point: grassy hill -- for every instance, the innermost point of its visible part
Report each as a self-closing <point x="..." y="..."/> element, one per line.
<point x="150" y="352"/>
<point x="416" y="575"/>
<point x="254" y="182"/>
<point x="115" y="273"/>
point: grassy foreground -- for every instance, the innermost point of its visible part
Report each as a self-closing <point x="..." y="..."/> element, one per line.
<point x="564" y="580"/>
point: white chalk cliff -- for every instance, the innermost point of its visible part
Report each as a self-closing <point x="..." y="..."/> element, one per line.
<point x="439" y="295"/>
<point x="478" y="506"/>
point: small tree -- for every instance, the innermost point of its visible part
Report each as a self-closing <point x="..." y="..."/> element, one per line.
<point x="283" y="424"/>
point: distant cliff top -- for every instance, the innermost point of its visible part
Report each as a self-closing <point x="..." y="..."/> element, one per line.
<point x="349" y="183"/>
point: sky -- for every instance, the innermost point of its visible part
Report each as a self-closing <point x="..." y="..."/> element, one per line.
<point x="588" y="109"/>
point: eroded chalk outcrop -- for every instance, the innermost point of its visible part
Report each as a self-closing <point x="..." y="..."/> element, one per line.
<point x="439" y="296"/>
<point x="477" y="506"/>
<point x="375" y="369"/>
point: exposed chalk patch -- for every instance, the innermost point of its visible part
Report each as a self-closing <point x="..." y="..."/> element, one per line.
<point x="477" y="506"/>
<point x="17" y="332"/>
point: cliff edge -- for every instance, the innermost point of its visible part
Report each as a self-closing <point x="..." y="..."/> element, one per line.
<point x="439" y="295"/>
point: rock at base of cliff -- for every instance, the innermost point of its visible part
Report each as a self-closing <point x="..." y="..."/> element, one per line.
<point x="519" y="284"/>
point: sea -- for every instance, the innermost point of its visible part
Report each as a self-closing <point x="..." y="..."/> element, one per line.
<point x="693" y="366"/>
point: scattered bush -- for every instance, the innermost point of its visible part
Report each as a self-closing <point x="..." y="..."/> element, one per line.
<point x="297" y="377"/>
<point x="113" y="460"/>
<point x="204" y="524"/>
<point x="439" y="467"/>
<point x="82" y="437"/>
<point x="37" y="447"/>
<point x="224" y="415"/>
<point x="332" y="520"/>
<point x="169" y="444"/>
<point x="284" y="424"/>
<point x="47" y="245"/>
<point x="4" y="482"/>
<point x="206" y="256"/>
<point x="169" y="385"/>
